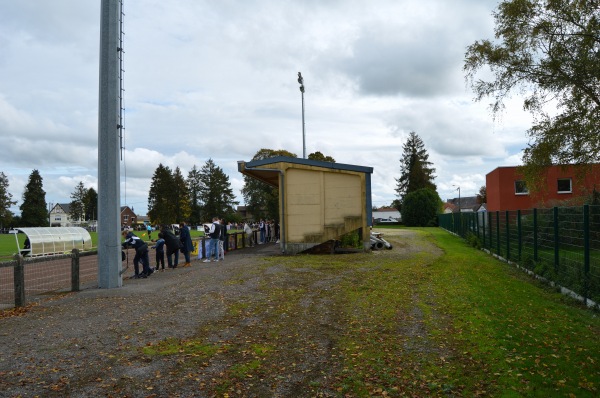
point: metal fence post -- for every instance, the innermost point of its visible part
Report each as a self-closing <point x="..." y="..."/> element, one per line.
<point x="507" y="227"/>
<point x="556" y="239"/>
<point x="586" y="252"/>
<point x="519" y="235"/>
<point x="490" y="218"/>
<point x="483" y="217"/>
<point x="535" y="235"/>
<point x="19" y="280"/>
<point x="498" y="233"/>
<point x="75" y="270"/>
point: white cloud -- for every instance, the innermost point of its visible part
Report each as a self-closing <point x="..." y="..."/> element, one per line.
<point x="218" y="80"/>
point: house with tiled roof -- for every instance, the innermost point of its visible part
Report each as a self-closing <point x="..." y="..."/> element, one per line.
<point x="60" y="216"/>
<point x="128" y="217"/>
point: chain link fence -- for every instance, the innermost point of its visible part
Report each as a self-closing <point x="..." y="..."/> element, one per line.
<point x="26" y="279"/>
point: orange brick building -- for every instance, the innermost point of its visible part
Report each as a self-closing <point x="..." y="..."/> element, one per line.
<point x="506" y="188"/>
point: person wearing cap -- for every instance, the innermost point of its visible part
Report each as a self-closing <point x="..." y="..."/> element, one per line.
<point x="141" y="254"/>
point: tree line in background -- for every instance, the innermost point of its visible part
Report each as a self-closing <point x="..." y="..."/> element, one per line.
<point x="205" y="193"/>
<point x="34" y="209"/>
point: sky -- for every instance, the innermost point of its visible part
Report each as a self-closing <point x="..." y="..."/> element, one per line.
<point x="218" y="80"/>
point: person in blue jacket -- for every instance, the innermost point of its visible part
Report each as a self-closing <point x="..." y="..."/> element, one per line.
<point x="186" y="243"/>
<point x="159" y="246"/>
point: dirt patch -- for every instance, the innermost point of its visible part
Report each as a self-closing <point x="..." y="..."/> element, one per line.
<point x="253" y="325"/>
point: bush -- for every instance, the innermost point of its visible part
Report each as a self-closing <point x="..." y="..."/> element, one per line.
<point x="350" y="239"/>
<point x="420" y="208"/>
<point x="473" y="240"/>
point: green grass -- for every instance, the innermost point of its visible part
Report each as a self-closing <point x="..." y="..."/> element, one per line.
<point x="433" y="317"/>
<point x="455" y="323"/>
<point x="480" y="328"/>
<point x="522" y="334"/>
<point x="8" y="246"/>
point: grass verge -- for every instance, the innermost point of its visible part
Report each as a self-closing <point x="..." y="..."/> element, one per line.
<point x="433" y="317"/>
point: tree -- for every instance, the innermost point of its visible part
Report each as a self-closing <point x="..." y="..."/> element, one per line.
<point x="482" y="195"/>
<point x="5" y="201"/>
<point x="415" y="168"/>
<point x="160" y="204"/>
<point x="90" y="204"/>
<point x="215" y="192"/>
<point x="77" y="205"/>
<point x="396" y="204"/>
<point x="550" y="50"/>
<point x="34" y="212"/>
<point x="420" y="208"/>
<point x="194" y="185"/>
<point x="181" y="197"/>
<point x="319" y="156"/>
<point x="262" y="200"/>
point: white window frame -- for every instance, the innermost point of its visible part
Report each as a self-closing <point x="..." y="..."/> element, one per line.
<point x="125" y="217"/>
<point x="570" y="185"/>
<point x="525" y="191"/>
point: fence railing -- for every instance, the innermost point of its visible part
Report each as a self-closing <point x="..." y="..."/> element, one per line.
<point x="24" y="278"/>
<point x="561" y="244"/>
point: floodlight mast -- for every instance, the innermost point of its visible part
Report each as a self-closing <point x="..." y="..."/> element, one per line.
<point x="301" y="81"/>
<point x="109" y="125"/>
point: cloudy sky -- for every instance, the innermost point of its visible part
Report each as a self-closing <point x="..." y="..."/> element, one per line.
<point x="217" y="79"/>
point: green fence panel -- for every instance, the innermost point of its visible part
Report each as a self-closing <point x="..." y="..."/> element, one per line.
<point x="561" y="244"/>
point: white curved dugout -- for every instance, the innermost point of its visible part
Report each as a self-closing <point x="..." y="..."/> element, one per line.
<point x="54" y="240"/>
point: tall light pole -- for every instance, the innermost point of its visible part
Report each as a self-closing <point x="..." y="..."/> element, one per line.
<point x="109" y="241"/>
<point x="301" y="81"/>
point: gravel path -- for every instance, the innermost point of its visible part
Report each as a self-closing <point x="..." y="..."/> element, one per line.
<point x="91" y="343"/>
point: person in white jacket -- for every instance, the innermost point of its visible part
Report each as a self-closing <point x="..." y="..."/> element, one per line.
<point x="248" y="232"/>
<point x="214" y="232"/>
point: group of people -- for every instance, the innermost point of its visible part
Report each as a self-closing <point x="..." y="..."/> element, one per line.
<point x="166" y="240"/>
<point x="269" y="231"/>
<point x="217" y="232"/>
<point x="171" y="245"/>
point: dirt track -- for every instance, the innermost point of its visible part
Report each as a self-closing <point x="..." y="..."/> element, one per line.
<point x="93" y="343"/>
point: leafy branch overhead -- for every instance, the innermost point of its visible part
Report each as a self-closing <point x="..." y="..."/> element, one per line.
<point x="548" y="51"/>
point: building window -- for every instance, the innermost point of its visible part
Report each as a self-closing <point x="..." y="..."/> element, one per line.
<point x="126" y="217"/>
<point x="521" y="188"/>
<point x="564" y="185"/>
<point x="57" y="218"/>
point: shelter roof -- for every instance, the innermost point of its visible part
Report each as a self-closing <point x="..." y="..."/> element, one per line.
<point x="266" y="170"/>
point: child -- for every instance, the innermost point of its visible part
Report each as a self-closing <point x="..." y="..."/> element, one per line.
<point x="160" y="251"/>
